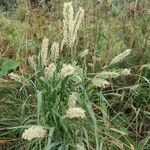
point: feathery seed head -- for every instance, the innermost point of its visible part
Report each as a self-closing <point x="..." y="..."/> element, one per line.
<point x="72" y="99"/>
<point x="100" y="82"/>
<point x="71" y="25"/>
<point x="49" y="71"/>
<point x="34" y="132"/>
<point x="44" y="51"/>
<point x="68" y="22"/>
<point x="75" y="112"/>
<point x="120" y="57"/>
<point x="77" y="22"/>
<point x="18" y="78"/>
<point x="107" y="75"/>
<point x="54" y="51"/>
<point x="67" y="70"/>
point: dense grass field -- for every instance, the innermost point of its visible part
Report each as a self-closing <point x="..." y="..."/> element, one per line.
<point x="75" y="75"/>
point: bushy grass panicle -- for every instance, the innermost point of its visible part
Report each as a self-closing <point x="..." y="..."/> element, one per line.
<point x="73" y="97"/>
<point x="100" y="82"/>
<point x="18" y="78"/>
<point x="67" y="70"/>
<point x="107" y="75"/>
<point x="75" y="112"/>
<point x="120" y="57"/>
<point x="77" y="21"/>
<point x="49" y="71"/>
<point x="71" y="24"/>
<point x="34" y="132"/>
<point x="44" y="51"/>
<point x="54" y="51"/>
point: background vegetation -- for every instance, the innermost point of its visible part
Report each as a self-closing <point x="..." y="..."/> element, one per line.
<point x="118" y="117"/>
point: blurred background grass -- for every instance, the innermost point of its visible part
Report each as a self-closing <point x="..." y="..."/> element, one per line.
<point x="109" y="27"/>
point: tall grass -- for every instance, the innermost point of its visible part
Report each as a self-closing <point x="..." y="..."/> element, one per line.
<point x="111" y="88"/>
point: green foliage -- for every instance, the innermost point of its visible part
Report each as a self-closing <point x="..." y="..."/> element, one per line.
<point x="13" y="32"/>
<point x="6" y="5"/>
<point x="8" y="65"/>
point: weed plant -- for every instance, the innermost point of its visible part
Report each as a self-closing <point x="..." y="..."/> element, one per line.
<point x="63" y="104"/>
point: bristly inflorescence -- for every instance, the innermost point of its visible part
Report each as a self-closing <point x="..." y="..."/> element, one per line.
<point x="107" y="75"/>
<point x="18" y="78"/>
<point x="75" y="112"/>
<point x="120" y="57"/>
<point x="54" y="52"/>
<point x="34" y="132"/>
<point x="67" y="70"/>
<point x="72" y="99"/>
<point x="49" y="71"/>
<point x="44" y="51"/>
<point x="71" y="24"/>
<point x="100" y="82"/>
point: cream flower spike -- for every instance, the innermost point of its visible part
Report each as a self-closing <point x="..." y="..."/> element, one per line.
<point x="120" y="57"/>
<point x="44" y="51"/>
<point x="71" y="24"/>
<point x="67" y="70"/>
<point x="75" y="112"/>
<point x="34" y="132"/>
<point x="49" y="71"/>
<point x="54" y="51"/>
<point x="107" y="75"/>
<point x="72" y="99"/>
<point x="100" y="82"/>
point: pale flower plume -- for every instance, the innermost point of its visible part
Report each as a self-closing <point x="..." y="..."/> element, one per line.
<point x="100" y="82"/>
<point x="75" y="112"/>
<point x="18" y="78"/>
<point x="120" y="57"/>
<point x="68" y="22"/>
<point x="77" y="22"/>
<point x="67" y="70"/>
<point x="126" y="72"/>
<point x="54" y="51"/>
<point x="44" y="51"/>
<point x="71" y="24"/>
<point x="107" y="75"/>
<point x="49" y="71"/>
<point x="72" y="99"/>
<point x="34" y="132"/>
